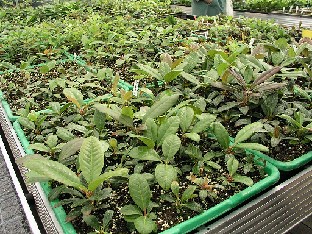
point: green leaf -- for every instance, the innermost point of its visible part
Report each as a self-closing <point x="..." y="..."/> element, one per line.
<point x="165" y="175"/>
<point x="74" y="96"/>
<point x="26" y="123"/>
<point x="221" y="134"/>
<point x="144" y="225"/>
<point x="170" y="147"/>
<point x="99" y="120"/>
<point x="243" y="179"/>
<point x="147" y="141"/>
<point x="130" y="210"/>
<point x="193" y="136"/>
<point x="175" y="188"/>
<point x="70" y="148"/>
<point x="52" y="141"/>
<point x="188" y="193"/>
<point x="290" y="120"/>
<point x="115" y="112"/>
<point x="53" y="170"/>
<point x="108" y="216"/>
<point x="144" y="153"/>
<point x="169" y="127"/>
<point x="161" y="106"/>
<point x="40" y="147"/>
<point x="44" y="69"/>
<point x="64" y="134"/>
<point x="190" y="78"/>
<point x="204" y="122"/>
<point x="213" y="165"/>
<point x="150" y="71"/>
<point x="91" y="221"/>
<point x="247" y="131"/>
<point x="123" y="172"/>
<point x="152" y="129"/>
<point x="91" y="158"/>
<point x="56" y="107"/>
<point x="186" y="115"/>
<point x="140" y="191"/>
<point x="193" y="206"/>
<point x="172" y="75"/>
<point x="232" y="165"/>
<point x="253" y="146"/>
<point x="127" y="111"/>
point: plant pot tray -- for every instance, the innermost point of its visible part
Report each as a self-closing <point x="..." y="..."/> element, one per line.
<point x="189" y="225"/>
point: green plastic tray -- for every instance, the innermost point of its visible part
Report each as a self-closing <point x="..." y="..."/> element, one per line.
<point x="186" y="226"/>
<point x="58" y="211"/>
<point x="285" y="166"/>
<point x="281" y="165"/>
<point x="7" y="108"/>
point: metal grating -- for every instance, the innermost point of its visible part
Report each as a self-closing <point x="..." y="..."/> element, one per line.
<point x="276" y="211"/>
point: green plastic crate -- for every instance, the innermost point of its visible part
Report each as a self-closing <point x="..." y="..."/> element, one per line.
<point x="58" y="211"/>
<point x="285" y="166"/>
<point x="186" y="226"/>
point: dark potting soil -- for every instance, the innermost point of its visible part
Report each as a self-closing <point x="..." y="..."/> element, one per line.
<point x="286" y="152"/>
<point x="167" y="213"/>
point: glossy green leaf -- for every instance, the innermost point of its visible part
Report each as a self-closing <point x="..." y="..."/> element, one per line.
<point x="188" y="193"/>
<point x="91" y="158"/>
<point x="99" y="120"/>
<point x="70" y="148"/>
<point x="92" y="221"/>
<point x="130" y="210"/>
<point x="172" y="75"/>
<point x="204" y="122"/>
<point x="52" y="141"/>
<point x="243" y="179"/>
<point x="290" y="120"/>
<point x="39" y="147"/>
<point x="52" y="170"/>
<point x="147" y="141"/>
<point x="193" y="136"/>
<point x="144" y="225"/>
<point x="161" y="106"/>
<point x="169" y="127"/>
<point x="151" y="129"/>
<point x="253" y="146"/>
<point x="122" y="172"/>
<point x="165" y="175"/>
<point x="140" y="191"/>
<point x="74" y="96"/>
<point x="175" y="188"/>
<point x="247" y="131"/>
<point x="144" y="153"/>
<point x="221" y="134"/>
<point x="26" y="123"/>
<point x="44" y="69"/>
<point x="115" y="112"/>
<point x="150" y="71"/>
<point x="232" y="165"/>
<point x="170" y="147"/>
<point x="190" y="78"/>
<point x="64" y="134"/>
<point x="186" y="115"/>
